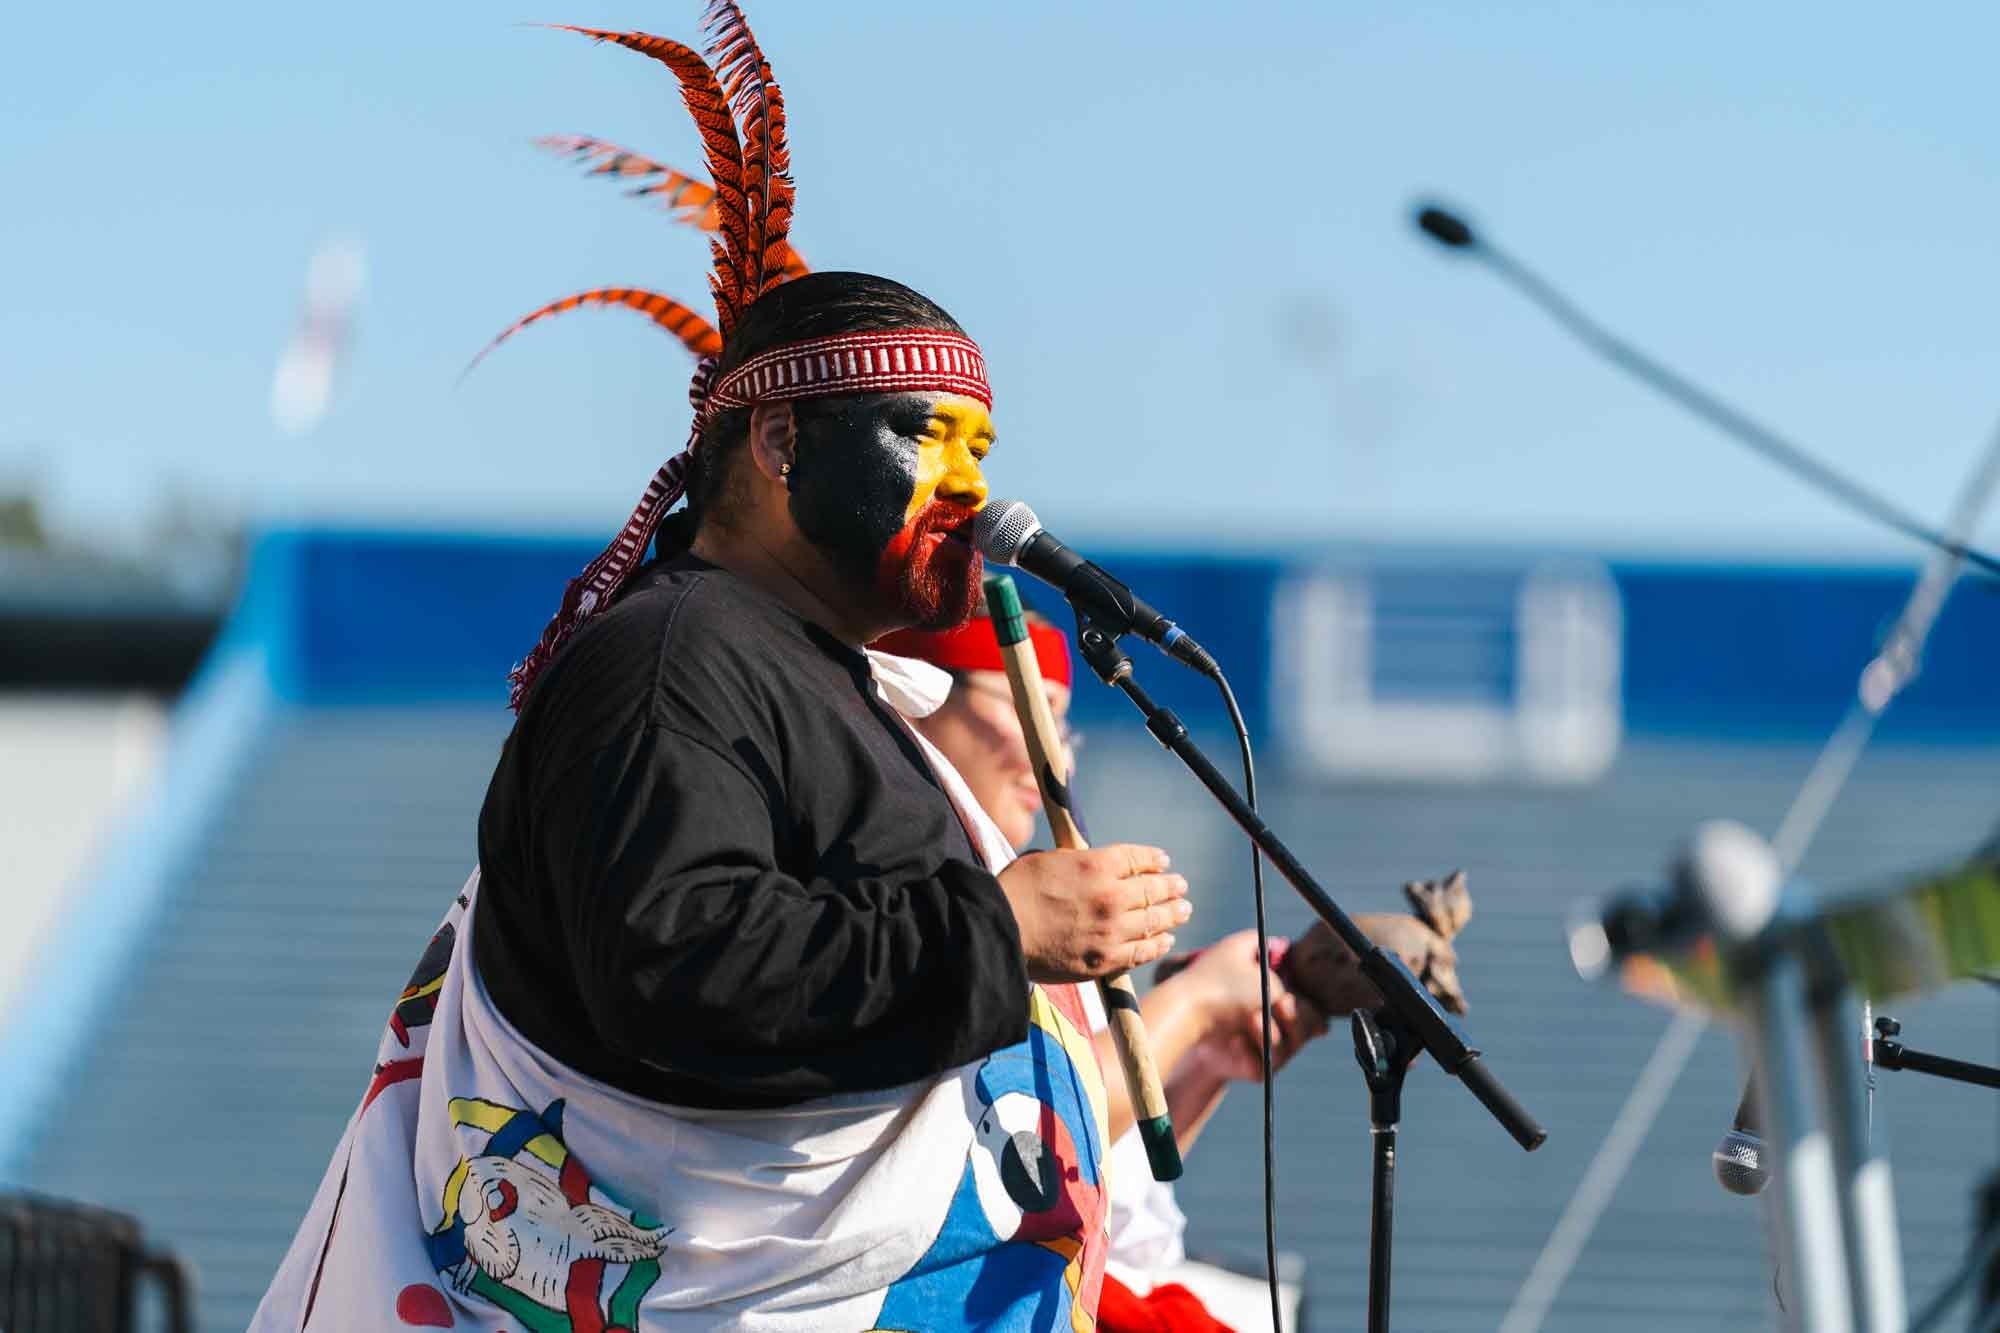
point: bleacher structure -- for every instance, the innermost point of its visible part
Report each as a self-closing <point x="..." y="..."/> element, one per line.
<point x="70" y="1268"/>
<point x="207" y="1025"/>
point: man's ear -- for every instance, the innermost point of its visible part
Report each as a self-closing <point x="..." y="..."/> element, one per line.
<point x="773" y="438"/>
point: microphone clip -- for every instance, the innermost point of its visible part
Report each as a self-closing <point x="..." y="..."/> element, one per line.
<point x="1104" y="603"/>
<point x="1097" y="643"/>
<point x="1385" y="1049"/>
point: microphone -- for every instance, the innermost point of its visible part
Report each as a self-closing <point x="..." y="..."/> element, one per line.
<point x="1739" y="1158"/>
<point x="1453" y="232"/>
<point x="1725" y="882"/>
<point x="1447" y="229"/>
<point x="1008" y="533"/>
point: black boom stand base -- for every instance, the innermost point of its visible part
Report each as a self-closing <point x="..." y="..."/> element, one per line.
<point x="1384" y="1050"/>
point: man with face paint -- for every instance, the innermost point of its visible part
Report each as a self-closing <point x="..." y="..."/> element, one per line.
<point x="748" y="1017"/>
<point x="705" y="791"/>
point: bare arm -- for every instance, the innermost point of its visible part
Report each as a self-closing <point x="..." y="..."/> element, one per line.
<point x="1206" y="1025"/>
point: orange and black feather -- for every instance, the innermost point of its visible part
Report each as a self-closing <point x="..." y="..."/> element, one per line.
<point x="737" y="263"/>
<point x="696" y="334"/>
<point x="759" y="105"/>
<point x="690" y="200"/>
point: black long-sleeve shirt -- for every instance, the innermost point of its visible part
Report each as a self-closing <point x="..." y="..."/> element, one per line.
<point x="715" y="869"/>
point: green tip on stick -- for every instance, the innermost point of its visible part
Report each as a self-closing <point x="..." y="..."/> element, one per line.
<point x="1010" y="624"/>
<point x="1163" y="1150"/>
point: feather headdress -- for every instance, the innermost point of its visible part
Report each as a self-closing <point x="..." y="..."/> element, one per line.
<point x="745" y="207"/>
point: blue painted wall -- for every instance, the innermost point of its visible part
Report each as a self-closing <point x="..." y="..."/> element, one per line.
<point x="1771" y="652"/>
<point x="1765" y="651"/>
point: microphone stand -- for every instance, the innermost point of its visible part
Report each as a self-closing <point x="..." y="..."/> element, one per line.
<point x="1454" y="233"/>
<point x="1384" y="1050"/>
<point x="1864" y="1194"/>
<point x="1890" y="1054"/>
<point x="1416" y="1018"/>
<point x="1833" y="1210"/>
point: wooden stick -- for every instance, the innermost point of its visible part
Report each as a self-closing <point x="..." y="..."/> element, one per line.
<point x="1121" y="1001"/>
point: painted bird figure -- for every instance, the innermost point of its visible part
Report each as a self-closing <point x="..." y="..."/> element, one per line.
<point x="521" y="1232"/>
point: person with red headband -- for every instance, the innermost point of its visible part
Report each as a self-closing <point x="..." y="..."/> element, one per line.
<point x="1204" y="1019"/>
<point x="747" y="1017"/>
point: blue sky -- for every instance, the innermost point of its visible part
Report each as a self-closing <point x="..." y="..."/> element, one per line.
<point x="1180" y="236"/>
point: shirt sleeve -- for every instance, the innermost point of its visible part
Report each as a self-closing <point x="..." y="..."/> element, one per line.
<point x="696" y="953"/>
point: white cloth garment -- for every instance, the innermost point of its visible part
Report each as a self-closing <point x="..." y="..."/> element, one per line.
<point x="482" y="1185"/>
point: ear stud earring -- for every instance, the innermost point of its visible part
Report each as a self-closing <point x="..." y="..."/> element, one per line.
<point x="784" y="469"/>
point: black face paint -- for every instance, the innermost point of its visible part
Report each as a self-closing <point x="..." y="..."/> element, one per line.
<point x="853" y="473"/>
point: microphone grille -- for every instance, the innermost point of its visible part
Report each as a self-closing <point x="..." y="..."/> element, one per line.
<point x="1002" y="528"/>
<point x="1739" y="1163"/>
<point x="1446" y="228"/>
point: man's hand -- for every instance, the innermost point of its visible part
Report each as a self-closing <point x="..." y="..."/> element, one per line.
<point x="1320" y="966"/>
<point x="1227" y="975"/>
<point x="1090" y="914"/>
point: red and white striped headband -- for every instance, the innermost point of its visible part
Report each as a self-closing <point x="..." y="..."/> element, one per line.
<point x="899" y="361"/>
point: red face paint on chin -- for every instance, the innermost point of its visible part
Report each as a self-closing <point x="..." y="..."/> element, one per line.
<point x="931" y="569"/>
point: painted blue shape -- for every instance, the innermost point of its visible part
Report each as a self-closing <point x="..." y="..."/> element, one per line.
<point x="969" y="1279"/>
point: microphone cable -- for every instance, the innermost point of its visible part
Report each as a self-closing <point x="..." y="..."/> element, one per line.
<point x="1264" y="992"/>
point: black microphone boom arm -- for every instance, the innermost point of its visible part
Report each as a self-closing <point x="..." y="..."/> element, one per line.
<point x="1455" y="233"/>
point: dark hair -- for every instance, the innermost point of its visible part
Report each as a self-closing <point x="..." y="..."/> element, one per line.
<point x="815" y="305"/>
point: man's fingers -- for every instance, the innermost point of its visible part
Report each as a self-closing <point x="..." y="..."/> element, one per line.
<point x="1151" y="931"/>
<point x="1135" y="859"/>
<point x="1146" y="890"/>
<point x="1147" y="950"/>
<point x="1147" y="922"/>
<point x="1300" y="1022"/>
<point x="1143" y="891"/>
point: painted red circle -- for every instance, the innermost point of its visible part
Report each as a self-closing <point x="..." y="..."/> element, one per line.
<point x="424" y="1307"/>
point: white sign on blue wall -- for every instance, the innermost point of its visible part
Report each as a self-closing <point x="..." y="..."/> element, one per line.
<point x="1432" y="674"/>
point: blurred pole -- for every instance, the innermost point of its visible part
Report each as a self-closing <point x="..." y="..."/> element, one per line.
<point x="310" y="365"/>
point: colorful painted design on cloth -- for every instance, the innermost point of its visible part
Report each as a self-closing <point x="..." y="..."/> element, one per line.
<point x="417" y="1005"/>
<point x="415" y="1009"/>
<point x="1022" y="1244"/>
<point x="522" y="1230"/>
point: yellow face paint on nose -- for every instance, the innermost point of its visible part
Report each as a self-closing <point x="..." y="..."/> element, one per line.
<point x="955" y="440"/>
